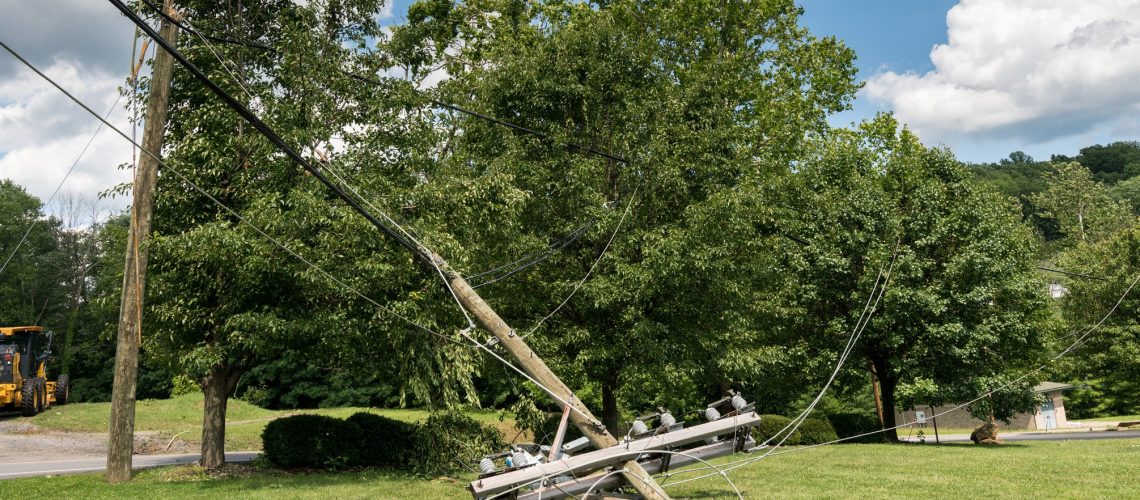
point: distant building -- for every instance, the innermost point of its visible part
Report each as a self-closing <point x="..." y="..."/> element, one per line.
<point x="1049" y="415"/>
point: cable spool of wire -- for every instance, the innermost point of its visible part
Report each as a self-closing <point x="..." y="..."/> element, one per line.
<point x="711" y="414"/>
<point x="667" y="419"/>
<point x="738" y="402"/>
<point x="487" y="466"/>
<point x="639" y="427"/>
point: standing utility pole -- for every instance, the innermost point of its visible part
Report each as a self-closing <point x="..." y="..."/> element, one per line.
<point x="121" y="439"/>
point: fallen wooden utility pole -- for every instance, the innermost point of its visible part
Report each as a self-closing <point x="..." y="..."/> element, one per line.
<point x="120" y="440"/>
<point x="626" y="453"/>
<point x="532" y="365"/>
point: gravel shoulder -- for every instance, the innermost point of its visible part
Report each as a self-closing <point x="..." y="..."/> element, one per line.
<point x="26" y="442"/>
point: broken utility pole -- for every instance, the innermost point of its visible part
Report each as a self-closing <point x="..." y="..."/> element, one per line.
<point x="122" y="428"/>
<point x="638" y="478"/>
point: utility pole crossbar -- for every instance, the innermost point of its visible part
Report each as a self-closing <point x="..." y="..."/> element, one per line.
<point x="623" y="454"/>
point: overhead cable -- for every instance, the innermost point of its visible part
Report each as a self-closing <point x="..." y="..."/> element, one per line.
<point x="365" y="79"/>
<point x="474" y="344"/>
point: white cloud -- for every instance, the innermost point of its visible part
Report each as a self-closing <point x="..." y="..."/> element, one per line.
<point x="1030" y="70"/>
<point x="42" y="133"/>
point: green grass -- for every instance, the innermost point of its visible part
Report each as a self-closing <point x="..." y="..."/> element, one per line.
<point x="1058" y="469"/>
<point x="182" y="417"/>
<point x="1123" y="418"/>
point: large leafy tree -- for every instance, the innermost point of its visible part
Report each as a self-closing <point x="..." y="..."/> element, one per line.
<point x="705" y="101"/>
<point x="964" y="308"/>
<point x="31" y="259"/>
<point x="222" y="296"/>
<point x="1110" y="353"/>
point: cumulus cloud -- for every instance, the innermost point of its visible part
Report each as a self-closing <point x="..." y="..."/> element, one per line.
<point x="1031" y="70"/>
<point x="86" y="47"/>
<point x="42" y="133"/>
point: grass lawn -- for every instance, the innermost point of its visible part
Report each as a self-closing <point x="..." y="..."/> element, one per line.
<point x="1123" y="418"/>
<point x="1058" y="469"/>
<point x="182" y="416"/>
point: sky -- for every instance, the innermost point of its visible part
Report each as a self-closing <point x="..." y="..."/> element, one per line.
<point x="982" y="77"/>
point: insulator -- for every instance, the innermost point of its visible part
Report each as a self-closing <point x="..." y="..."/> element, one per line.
<point x="738" y="402"/>
<point x="520" y="459"/>
<point x="639" y="427"/>
<point x="712" y="440"/>
<point x="487" y="466"/>
<point x="711" y="414"/>
<point x="667" y="419"/>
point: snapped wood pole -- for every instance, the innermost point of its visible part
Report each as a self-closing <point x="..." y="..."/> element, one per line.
<point x="533" y="365"/>
<point x="122" y="426"/>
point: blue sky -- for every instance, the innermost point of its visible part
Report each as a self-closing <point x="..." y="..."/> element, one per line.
<point x="1042" y="76"/>
<point x="885" y="34"/>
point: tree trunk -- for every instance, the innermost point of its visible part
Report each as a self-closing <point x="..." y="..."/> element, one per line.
<point x="216" y="386"/>
<point x="887" y="386"/>
<point x="610" y="413"/>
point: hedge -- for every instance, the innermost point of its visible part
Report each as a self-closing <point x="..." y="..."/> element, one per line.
<point x="311" y="441"/>
<point x="384" y="442"/>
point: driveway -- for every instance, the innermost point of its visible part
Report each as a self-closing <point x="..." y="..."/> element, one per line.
<point x="1040" y="436"/>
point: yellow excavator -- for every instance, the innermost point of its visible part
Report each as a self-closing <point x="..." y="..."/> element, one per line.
<point x="24" y="355"/>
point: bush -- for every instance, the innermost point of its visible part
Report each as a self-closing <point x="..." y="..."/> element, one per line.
<point x="811" y="431"/>
<point x="311" y="441"/>
<point x="854" y="424"/>
<point x="816" y="430"/>
<point x="384" y="442"/>
<point x="769" y="426"/>
<point x="452" y="442"/>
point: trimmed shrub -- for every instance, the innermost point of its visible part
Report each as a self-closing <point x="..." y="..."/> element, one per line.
<point x="311" y="441"/>
<point x="769" y="426"/>
<point x="452" y="442"/>
<point x="816" y="430"/>
<point x="384" y="442"/>
<point x="854" y="424"/>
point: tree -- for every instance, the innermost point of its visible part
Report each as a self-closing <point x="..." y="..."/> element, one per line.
<point x="1113" y="162"/>
<point x="704" y="101"/>
<point x="225" y="298"/>
<point x="1083" y="207"/>
<point x="30" y="258"/>
<point x="963" y="308"/>
<point x="1110" y="354"/>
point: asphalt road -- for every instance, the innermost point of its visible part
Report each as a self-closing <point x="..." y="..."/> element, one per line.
<point x="10" y="470"/>
<point x="1042" y="436"/>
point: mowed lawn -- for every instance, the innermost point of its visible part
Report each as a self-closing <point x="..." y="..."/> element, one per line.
<point x="1054" y="469"/>
<point x="181" y="417"/>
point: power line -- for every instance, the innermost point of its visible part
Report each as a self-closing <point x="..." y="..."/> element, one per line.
<point x="577" y="286"/>
<point x="1069" y="273"/>
<point x="474" y="344"/>
<point x="371" y="81"/>
<point x="265" y="130"/>
<point x="530" y="259"/>
<point x="1076" y="344"/>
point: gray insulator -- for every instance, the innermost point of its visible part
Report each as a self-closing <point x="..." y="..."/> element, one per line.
<point x="712" y="440"/>
<point x="487" y="466"/>
<point x="738" y="402"/>
<point x="667" y="420"/>
<point x="639" y="427"/>
<point x="520" y="459"/>
<point x="711" y="414"/>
